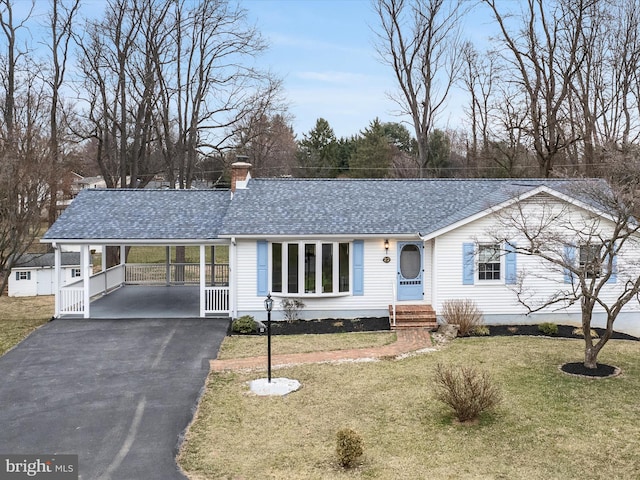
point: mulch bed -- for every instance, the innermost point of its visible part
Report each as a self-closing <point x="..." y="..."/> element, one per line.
<point x="601" y="371"/>
<point x="329" y="325"/>
<point x="564" y="331"/>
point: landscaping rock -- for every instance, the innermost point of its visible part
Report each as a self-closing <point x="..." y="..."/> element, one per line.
<point x="448" y="331"/>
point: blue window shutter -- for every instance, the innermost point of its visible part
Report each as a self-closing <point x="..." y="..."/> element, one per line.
<point x="468" y="262"/>
<point x="569" y="257"/>
<point x="263" y="267"/>
<point x="17" y="276"/>
<point x="614" y="266"/>
<point x="358" y="267"/>
<point x="510" y="265"/>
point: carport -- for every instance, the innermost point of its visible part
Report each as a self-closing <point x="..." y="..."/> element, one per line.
<point x="137" y="301"/>
<point x="121" y="218"/>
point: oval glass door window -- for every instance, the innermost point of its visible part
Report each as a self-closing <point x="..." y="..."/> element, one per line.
<point x="410" y="261"/>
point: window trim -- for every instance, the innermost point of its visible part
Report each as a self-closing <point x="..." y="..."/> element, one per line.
<point x="302" y="248"/>
<point x="501" y="266"/>
<point x="23" y="275"/>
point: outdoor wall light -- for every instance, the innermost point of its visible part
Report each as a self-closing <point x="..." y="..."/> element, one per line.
<point x="386" y="258"/>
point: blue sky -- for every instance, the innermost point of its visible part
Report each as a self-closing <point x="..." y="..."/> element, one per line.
<point x="324" y="52"/>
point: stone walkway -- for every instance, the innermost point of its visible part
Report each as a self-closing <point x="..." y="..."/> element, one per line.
<point x="408" y="341"/>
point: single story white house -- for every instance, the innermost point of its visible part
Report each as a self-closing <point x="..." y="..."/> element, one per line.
<point x="347" y="248"/>
<point x="34" y="273"/>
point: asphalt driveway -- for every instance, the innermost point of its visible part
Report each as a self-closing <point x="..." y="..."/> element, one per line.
<point x="118" y="393"/>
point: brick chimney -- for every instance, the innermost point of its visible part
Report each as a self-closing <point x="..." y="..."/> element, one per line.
<point x="240" y="173"/>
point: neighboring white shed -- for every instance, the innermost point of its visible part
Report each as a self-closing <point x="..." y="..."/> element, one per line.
<point x="34" y="274"/>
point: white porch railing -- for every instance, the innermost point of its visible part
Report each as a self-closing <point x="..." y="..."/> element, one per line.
<point x="216" y="300"/>
<point x="72" y="299"/>
<point x="179" y="273"/>
<point x="102" y="282"/>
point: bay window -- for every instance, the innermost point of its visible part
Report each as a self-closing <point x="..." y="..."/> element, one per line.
<point x="316" y="267"/>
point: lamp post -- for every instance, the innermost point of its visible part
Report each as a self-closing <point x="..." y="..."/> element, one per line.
<point x="268" y="306"/>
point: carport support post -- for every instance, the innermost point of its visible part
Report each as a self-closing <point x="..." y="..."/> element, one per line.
<point x="85" y="262"/>
<point x="56" y="278"/>
<point x="203" y="278"/>
<point x="168" y="265"/>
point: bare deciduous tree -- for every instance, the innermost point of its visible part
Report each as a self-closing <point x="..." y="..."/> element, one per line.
<point x="544" y="52"/>
<point x="61" y="20"/>
<point x="270" y="144"/>
<point x="24" y="168"/>
<point x="420" y="41"/>
<point x="590" y="245"/>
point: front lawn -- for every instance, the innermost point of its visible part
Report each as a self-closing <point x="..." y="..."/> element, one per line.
<point x="19" y="316"/>
<point x="549" y="425"/>
<point x="240" y="346"/>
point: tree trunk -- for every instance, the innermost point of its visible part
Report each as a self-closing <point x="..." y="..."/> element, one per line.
<point x="590" y="356"/>
<point x="591" y="351"/>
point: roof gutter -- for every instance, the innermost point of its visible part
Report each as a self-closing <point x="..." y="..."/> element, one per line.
<point x="129" y="241"/>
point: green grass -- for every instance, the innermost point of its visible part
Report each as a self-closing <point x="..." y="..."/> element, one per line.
<point x="19" y="316"/>
<point x="238" y="346"/>
<point x="147" y="254"/>
<point x="549" y="425"/>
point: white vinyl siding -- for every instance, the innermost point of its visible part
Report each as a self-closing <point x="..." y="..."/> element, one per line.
<point x="497" y="297"/>
<point x="37" y="281"/>
<point x="378" y="287"/>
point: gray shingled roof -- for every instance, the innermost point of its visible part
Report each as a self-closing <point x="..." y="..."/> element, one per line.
<point x="31" y="260"/>
<point x="293" y="207"/>
<point x="123" y="214"/>
<point x="353" y="207"/>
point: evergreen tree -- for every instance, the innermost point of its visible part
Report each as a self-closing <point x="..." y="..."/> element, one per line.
<point x="438" y="153"/>
<point x="372" y="155"/>
<point x="318" y="152"/>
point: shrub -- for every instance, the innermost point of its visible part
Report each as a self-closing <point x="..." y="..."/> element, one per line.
<point x="291" y="307"/>
<point x="481" y="331"/>
<point x="548" y="328"/>
<point x="467" y="390"/>
<point x="349" y="447"/>
<point x="244" y="324"/>
<point x="580" y="332"/>
<point x="463" y="313"/>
